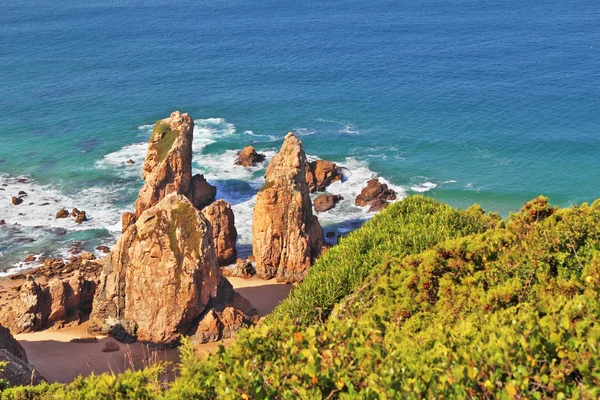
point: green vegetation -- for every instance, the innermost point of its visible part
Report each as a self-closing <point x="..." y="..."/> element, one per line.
<point x="166" y="136"/>
<point x="422" y="302"/>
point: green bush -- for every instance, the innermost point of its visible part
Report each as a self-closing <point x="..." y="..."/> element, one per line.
<point x="482" y="309"/>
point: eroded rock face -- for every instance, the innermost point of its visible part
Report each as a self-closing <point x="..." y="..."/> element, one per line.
<point x="17" y="372"/>
<point x="168" y="165"/>
<point x="220" y="215"/>
<point x="249" y="157"/>
<point x="127" y="219"/>
<point x="375" y="195"/>
<point x="66" y="299"/>
<point x="320" y="174"/>
<point x="160" y="277"/>
<point x="286" y="236"/>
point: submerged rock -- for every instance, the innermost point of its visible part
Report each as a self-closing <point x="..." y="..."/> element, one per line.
<point x="286" y="236"/>
<point x="161" y="277"/>
<point x="220" y="215"/>
<point x="249" y="157"/>
<point x="375" y="195"/>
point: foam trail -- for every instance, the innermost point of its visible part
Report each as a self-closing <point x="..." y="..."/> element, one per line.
<point x="423" y="187"/>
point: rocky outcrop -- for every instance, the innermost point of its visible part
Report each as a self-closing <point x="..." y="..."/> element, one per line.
<point x="248" y="157"/>
<point x="326" y="202"/>
<point x="17" y="372"/>
<point x="168" y="165"/>
<point x="286" y="236"/>
<point x="375" y="195"/>
<point x="161" y="278"/>
<point x="55" y="295"/>
<point x="220" y="216"/>
<point x="62" y="213"/>
<point x="320" y="174"/>
<point x="10" y="344"/>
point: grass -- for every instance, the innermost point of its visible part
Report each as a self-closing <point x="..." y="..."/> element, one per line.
<point x="167" y="138"/>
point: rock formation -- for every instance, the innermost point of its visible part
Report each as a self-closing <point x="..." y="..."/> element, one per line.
<point x="376" y="195"/>
<point x="320" y="174"/>
<point x="220" y="215"/>
<point x="241" y="269"/>
<point x="249" y="157"/>
<point x="64" y="296"/>
<point x="17" y="371"/>
<point x="286" y="236"/>
<point x="168" y="165"/>
<point x="161" y="278"/>
<point x="326" y="202"/>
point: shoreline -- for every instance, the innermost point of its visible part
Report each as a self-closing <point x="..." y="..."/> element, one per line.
<point x="58" y="359"/>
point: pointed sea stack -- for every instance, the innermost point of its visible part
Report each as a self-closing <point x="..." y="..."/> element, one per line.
<point x="286" y="236"/>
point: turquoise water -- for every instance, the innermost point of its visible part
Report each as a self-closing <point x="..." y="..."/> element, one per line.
<point x="466" y="101"/>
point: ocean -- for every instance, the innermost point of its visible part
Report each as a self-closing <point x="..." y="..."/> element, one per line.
<point x="465" y="101"/>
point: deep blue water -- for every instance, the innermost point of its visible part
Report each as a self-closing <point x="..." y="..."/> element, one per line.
<point x="466" y="101"/>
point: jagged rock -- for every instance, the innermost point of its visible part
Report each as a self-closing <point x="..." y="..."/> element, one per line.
<point x="320" y="174"/>
<point x="326" y="202"/>
<point x="286" y="236"/>
<point x="248" y="157"/>
<point x="81" y="217"/>
<point x="376" y="195"/>
<point x="16" y="200"/>
<point x="222" y="220"/>
<point x="168" y="165"/>
<point x="29" y="259"/>
<point x="241" y="269"/>
<point x="130" y="161"/>
<point x="201" y="193"/>
<point x="127" y="219"/>
<point x="9" y="343"/>
<point x="65" y="300"/>
<point x="74" y="212"/>
<point x="160" y="277"/>
<point x="62" y="214"/>
<point x="18" y="372"/>
<point x="225" y="315"/>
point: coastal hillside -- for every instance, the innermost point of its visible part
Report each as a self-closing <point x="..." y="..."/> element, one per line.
<point x="423" y="301"/>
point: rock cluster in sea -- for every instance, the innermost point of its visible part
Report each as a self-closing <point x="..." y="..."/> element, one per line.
<point x="165" y="276"/>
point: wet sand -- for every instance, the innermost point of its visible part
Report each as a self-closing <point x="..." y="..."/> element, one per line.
<point x="60" y="360"/>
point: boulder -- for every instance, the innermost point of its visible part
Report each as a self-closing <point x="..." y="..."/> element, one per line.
<point x="286" y="236"/>
<point x="74" y="212"/>
<point x="249" y="157"/>
<point x="103" y="249"/>
<point x="2" y="222"/>
<point x="160" y="277"/>
<point x="168" y="165"/>
<point x="201" y="192"/>
<point x="320" y="174"/>
<point x="127" y="219"/>
<point x="221" y="218"/>
<point x="326" y="202"/>
<point x="16" y="200"/>
<point x="62" y="213"/>
<point x="375" y="195"/>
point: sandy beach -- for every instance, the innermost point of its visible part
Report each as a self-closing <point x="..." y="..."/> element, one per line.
<point x="60" y="360"/>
